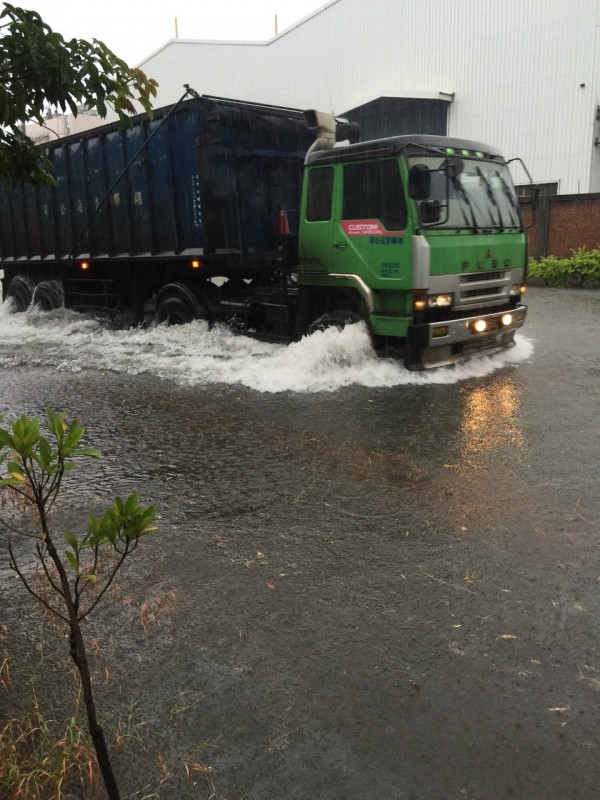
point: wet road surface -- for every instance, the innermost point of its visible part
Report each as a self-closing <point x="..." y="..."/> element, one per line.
<point x="382" y="591"/>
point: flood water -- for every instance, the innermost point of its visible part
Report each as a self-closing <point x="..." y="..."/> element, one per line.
<point x="193" y="355"/>
<point x="386" y="582"/>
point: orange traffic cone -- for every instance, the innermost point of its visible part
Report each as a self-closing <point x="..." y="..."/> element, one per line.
<point x="283" y="227"/>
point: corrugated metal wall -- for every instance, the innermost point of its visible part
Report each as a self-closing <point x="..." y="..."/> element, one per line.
<point x="595" y="111"/>
<point x="525" y="75"/>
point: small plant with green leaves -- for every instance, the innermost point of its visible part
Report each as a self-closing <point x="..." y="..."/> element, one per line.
<point x="78" y="570"/>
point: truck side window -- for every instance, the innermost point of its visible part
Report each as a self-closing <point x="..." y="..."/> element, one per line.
<point x="374" y="191"/>
<point x="320" y="193"/>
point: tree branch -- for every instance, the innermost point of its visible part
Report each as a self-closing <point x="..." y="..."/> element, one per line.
<point x="92" y="572"/>
<point x="53" y="491"/>
<point x="15" y="567"/>
<point x="22" y="493"/>
<point x="29" y="472"/>
<point x="16" y="530"/>
<point x="108" y="583"/>
<point x="49" y="578"/>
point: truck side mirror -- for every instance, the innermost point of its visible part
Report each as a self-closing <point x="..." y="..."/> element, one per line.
<point x="419" y="182"/>
<point x="431" y="212"/>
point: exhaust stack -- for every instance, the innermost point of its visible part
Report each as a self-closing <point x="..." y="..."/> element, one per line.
<point x="324" y="126"/>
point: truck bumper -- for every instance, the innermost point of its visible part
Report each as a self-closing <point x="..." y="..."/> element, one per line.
<point x="434" y="344"/>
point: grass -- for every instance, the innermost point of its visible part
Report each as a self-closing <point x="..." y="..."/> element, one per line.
<point x="46" y="752"/>
<point x="44" y="759"/>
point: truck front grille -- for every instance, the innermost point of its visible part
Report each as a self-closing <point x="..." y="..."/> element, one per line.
<point x="477" y="277"/>
<point x="492" y="287"/>
<point x="483" y="291"/>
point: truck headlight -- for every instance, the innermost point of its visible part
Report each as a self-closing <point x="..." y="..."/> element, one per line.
<point x="439" y="300"/>
<point x="422" y="300"/>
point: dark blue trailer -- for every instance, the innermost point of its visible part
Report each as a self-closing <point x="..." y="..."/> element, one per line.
<point x="206" y="185"/>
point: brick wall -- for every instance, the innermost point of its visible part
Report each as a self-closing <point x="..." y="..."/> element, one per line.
<point x="562" y="223"/>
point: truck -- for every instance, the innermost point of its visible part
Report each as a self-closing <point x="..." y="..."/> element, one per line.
<point x="278" y="223"/>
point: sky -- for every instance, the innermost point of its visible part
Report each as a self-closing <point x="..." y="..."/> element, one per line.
<point x="134" y="29"/>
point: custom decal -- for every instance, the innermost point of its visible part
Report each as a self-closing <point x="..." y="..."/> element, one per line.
<point x="367" y="227"/>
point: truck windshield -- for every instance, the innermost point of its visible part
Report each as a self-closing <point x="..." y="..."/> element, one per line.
<point x="480" y="196"/>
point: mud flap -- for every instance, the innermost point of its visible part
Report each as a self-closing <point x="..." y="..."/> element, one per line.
<point x="417" y="340"/>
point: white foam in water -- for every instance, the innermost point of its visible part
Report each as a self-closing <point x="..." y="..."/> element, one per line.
<point x="194" y="355"/>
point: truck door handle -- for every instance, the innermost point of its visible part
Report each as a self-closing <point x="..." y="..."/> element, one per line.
<point x="339" y="245"/>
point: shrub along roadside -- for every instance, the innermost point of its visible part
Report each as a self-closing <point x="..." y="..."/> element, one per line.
<point x="582" y="270"/>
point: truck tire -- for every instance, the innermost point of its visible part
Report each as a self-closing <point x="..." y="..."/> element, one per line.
<point x="19" y="293"/>
<point x="334" y="319"/>
<point x="176" y="305"/>
<point x="48" y="295"/>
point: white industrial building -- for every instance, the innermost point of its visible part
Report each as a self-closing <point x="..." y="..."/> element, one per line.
<point x="57" y="125"/>
<point x="523" y="75"/>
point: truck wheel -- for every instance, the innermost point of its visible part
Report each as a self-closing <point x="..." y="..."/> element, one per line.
<point x="334" y="319"/>
<point x="176" y="305"/>
<point x="48" y="295"/>
<point x="19" y="293"/>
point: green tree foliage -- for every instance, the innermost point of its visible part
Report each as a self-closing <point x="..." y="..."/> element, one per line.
<point x="39" y="69"/>
<point x="78" y="569"/>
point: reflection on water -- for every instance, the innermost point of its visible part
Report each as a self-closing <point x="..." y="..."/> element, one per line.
<point x="491" y="419"/>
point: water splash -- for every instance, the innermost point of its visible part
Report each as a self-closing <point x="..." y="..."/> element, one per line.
<point x="194" y="355"/>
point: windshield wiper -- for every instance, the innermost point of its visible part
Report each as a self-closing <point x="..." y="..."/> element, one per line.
<point x="491" y="198"/>
<point x="460" y="192"/>
<point x="510" y="198"/>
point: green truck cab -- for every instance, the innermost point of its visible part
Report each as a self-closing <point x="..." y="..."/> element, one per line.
<point x="421" y="237"/>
